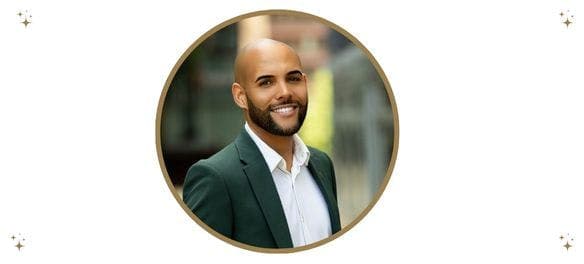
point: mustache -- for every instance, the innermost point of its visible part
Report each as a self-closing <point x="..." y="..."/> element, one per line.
<point x="289" y="102"/>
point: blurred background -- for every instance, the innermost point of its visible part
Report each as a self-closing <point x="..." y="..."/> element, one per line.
<point x="349" y="115"/>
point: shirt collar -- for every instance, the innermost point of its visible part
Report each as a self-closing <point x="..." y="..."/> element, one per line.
<point x="273" y="159"/>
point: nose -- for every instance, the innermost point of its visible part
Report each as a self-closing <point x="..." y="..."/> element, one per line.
<point x="284" y="91"/>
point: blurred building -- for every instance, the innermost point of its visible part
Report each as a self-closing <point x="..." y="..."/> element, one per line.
<point x="349" y="114"/>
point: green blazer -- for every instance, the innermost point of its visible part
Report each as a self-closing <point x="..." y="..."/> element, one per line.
<point x="233" y="192"/>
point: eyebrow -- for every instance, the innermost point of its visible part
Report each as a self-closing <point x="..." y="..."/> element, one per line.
<point x="272" y="76"/>
<point x="294" y="72"/>
<point x="264" y="77"/>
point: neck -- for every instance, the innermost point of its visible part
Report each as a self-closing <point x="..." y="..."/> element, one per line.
<point x="283" y="145"/>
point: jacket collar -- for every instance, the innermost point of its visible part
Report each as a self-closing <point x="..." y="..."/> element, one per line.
<point x="263" y="186"/>
<point x="272" y="158"/>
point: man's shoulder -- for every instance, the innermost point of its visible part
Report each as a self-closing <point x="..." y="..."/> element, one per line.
<point x="213" y="172"/>
<point x="226" y="157"/>
<point x="228" y="153"/>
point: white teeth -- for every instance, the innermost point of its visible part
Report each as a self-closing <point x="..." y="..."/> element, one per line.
<point x="283" y="110"/>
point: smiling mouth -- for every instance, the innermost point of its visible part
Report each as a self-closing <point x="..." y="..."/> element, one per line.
<point x="284" y="109"/>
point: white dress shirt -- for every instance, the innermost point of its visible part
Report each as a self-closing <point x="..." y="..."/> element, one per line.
<point x="304" y="205"/>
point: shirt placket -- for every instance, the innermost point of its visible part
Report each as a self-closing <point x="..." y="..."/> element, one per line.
<point x="295" y="173"/>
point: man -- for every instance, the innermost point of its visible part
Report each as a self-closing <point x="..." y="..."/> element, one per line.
<point x="267" y="189"/>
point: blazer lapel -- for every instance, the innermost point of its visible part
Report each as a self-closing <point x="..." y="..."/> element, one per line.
<point x="263" y="186"/>
<point x="326" y="191"/>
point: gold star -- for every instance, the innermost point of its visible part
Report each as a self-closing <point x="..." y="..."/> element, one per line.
<point x="19" y="246"/>
<point x="567" y="246"/>
<point x="25" y="22"/>
<point x="561" y="237"/>
<point x="13" y="237"/>
<point x="561" y="13"/>
<point x="567" y="22"/>
<point x="19" y="14"/>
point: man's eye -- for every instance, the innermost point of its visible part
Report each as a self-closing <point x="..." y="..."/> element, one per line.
<point x="294" y="79"/>
<point x="266" y="83"/>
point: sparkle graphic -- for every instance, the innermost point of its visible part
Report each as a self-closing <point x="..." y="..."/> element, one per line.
<point x="19" y="241"/>
<point x="19" y="246"/>
<point x="567" y="241"/>
<point x="566" y="18"/>
<point x="24" y="17"/>
<point x="25" y="22"/>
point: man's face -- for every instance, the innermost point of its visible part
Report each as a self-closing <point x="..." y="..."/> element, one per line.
<point x="276" y="91"/>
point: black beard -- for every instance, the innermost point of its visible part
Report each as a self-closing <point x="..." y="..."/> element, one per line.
<point x="263" y="119"/>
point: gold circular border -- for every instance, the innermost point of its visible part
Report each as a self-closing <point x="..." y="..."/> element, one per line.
<point x="356" y="43"/>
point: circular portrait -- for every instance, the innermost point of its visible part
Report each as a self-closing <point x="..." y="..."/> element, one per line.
<point x="277" y="131"/>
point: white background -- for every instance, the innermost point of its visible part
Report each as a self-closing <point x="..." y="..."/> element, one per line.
<point x="490" y="97"/>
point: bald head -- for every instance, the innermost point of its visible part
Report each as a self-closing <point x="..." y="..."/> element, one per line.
<point x="257" y="53"/>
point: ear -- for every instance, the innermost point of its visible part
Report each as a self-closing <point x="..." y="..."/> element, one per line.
<point x="238" y="94"/>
